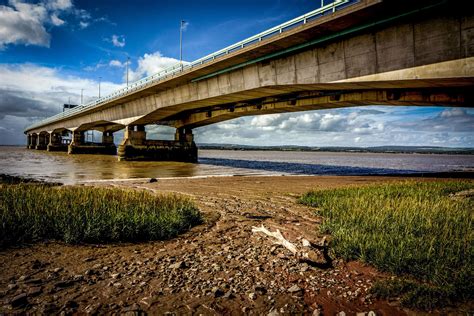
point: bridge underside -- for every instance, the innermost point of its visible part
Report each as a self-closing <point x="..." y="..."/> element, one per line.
<point x="373" y="53"/>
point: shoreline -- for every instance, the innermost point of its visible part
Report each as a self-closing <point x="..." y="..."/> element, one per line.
<point x="15" y="179"/>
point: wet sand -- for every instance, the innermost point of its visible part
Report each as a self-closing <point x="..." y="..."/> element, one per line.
<point x="220" y="267"/>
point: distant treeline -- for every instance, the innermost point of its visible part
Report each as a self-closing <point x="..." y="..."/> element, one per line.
<point x="378" y="149"/>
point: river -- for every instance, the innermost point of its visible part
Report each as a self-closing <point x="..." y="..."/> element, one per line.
<point x="70" y="169"/>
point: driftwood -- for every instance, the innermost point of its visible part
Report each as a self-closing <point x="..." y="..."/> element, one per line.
<point x="304" y="255"/>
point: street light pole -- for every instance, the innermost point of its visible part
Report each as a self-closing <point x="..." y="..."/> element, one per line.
<point x="128" y="62"/>
<point x="181" y="42"/>
<point x="82" y="92"/>
<point x="100" y="78"/>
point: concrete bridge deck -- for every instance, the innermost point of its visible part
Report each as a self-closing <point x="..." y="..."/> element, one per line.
<point x="349" y="53"/>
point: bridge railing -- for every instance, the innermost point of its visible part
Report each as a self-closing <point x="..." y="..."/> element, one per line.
<point x="329" y="8"/>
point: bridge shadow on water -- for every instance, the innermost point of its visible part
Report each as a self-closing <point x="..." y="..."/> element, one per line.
<point x="304" y="168"/>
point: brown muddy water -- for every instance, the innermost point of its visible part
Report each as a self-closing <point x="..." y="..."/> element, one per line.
<point x="70" y="169"/>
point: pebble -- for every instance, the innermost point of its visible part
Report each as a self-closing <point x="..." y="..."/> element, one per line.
<point x="19" y="300"/>
<point x="294" y="289"/>
<point x="252" y="296"/>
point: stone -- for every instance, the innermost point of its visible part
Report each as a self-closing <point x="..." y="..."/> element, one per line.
<point x="116" y="276"/>
<point x="34" y="291"/>
<point x="19" y="300"/>
<point x="371" y="313"/>
<point x="217" y="292"/>
<point x="294" y="289"/>
<point x="152" y="180"/>
<point x="252" y="296"/>
<point x="341" y="313"/>
<point x="12" y="286"/>
<point x="260" y="290"/>
<point x="177" y="265"/>
<point x="317" y="312"/>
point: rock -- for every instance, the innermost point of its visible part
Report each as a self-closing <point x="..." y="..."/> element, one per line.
<point x="341" y="313"/>
<point x="63" y="284"/>
<point x="89" y="259"/>
<point x="34" y="291"/>
<point x="105" y="268"/>
<point x="252" y="296"/>
<point x="78" y="278"/>
<point x="57" y="270"/>
<point x="294" y="289"/>
<point x="19" y="300"/>
<point x="260" y="290"/>
<point x="22" y="278"/>
<point x="12" y="286"/>
<point x="152" y="180"/>
<point x="317" y="312"/>
<point x="229" y="294"/>
<point x="273" y="312"/>
<point x="177" y="265"/>
<point x="116" y="276"/>
<point x="371" y="313"/>
<point x="131" y="310"/>
<point x="361" y="314"/>
<point x="217" y="292"/>
<point x="33" y="281"/>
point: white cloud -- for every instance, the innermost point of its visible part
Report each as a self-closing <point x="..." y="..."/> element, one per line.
<point x="118" y="40"/>
<point x="83" y="24"/>
<point x="116" y="63"/>
<point x="56" y="20"/>
<point x="150" y="64"/>
<point x="26" y="23"/>
<point x="59" y="4"/>
<point x="23" y="24"/>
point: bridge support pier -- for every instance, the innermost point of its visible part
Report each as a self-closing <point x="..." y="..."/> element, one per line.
<point x="55" y="143"/>
<point x="78" y="144"/>
<point x="135" y="146"/>
<point x="33" y="141"/>
<point x="41" y="143"/>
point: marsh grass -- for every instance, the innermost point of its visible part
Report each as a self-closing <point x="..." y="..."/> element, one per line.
<point x="30" y="213"/>
<point x="416" y="230"/>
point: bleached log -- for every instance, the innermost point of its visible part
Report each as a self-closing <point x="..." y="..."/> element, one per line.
<point x="299" y="253"/>
<point x="280" y="240"/>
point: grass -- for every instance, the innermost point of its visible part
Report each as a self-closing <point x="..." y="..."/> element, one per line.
<point x="416" y="230"/>
<point x="30" y="213"/>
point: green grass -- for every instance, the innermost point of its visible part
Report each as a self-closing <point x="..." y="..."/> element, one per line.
<point x="30" y="213"/>
<point x="416" y="230"/>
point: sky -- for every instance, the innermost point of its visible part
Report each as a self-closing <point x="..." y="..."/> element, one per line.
<point x="52" y="51"/>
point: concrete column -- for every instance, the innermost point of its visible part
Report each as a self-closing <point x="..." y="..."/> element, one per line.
<point x="55" y="143"/>
<point x="41" y="142"/>
<point x="78" y="145"/>
<point x="28" y="140"/>
<point x="184" y="135"/>
<point x="135" y="146"/>
<point x="107" y="138"/>
<point x="33" y="141"/>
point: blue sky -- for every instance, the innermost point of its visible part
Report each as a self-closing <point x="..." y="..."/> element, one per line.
<point x="51" y="49"/>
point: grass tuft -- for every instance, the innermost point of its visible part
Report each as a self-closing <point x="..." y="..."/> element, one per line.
<point x="416" y="230"/>
<point x="30" y="213"/>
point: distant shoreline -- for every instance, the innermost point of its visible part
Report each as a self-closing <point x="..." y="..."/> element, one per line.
<point x="379" y="149"/>
<point x="375" y="150"/>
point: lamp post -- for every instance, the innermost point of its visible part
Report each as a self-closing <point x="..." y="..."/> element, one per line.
<point x="128" y="62"/>
<point x="82" y="93"/>
<point x="181" y="41"/>
<point x="100" y="78"/>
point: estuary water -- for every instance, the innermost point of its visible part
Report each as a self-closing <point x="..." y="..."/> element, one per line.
<point x="70" y="169"/>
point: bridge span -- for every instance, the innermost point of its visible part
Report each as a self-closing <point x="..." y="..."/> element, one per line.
<point x="347" y="53"/>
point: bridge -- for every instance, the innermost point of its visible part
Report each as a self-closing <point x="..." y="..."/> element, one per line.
<point x="346" y="53"/>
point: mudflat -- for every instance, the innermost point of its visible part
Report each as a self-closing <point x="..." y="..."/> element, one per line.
<point x="220" y="267"/>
